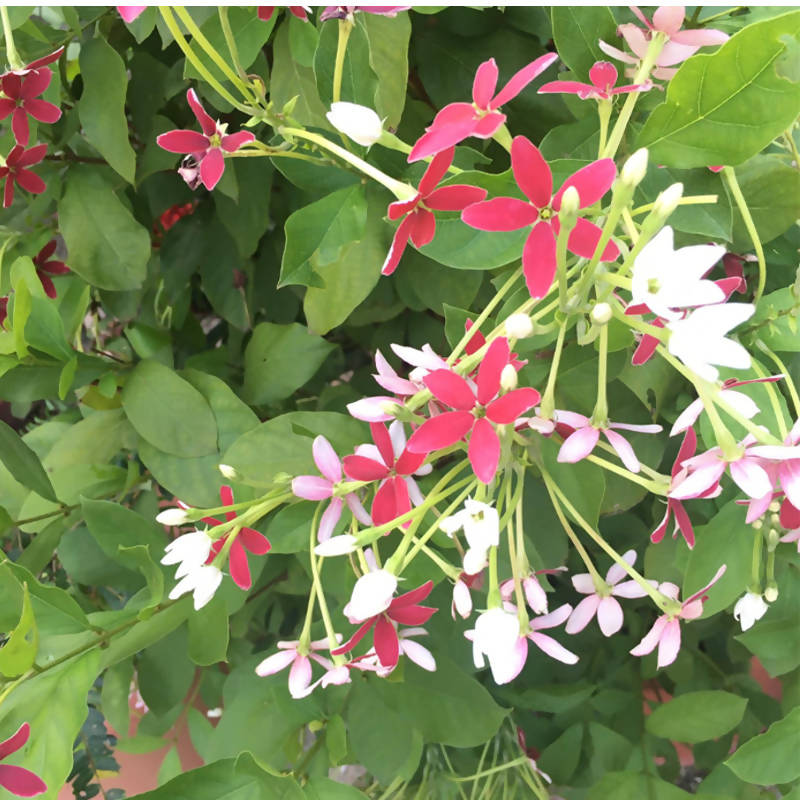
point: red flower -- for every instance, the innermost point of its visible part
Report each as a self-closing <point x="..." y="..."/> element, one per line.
<point x="18" y="780"/>
<point x="3" y="310"/>
<point x="675" y="507"/>
<point x="206" y="147"/>
<point x="419" y="224"/>
<point x="247" y="539"/>
<point x="481" y="117"/>
<point x="533" y="175"/>
<point x="603" y="77"/>
<point x="475" y="411"/>
<point x="37" y="63"/>
<point x="16" y="171"/>
<point x="265" y="12"/>
<point x="21" y="100"/>
<point x="403" y="610"/>
<point x="45" y="267"/>
<point x="393" y="469"/>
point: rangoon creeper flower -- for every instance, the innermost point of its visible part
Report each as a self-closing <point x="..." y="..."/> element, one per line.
<point x="359" y="123"/>
<point x="748" y="609"/>
<point x="496" y="638"/>
<point x="130" y="13"/>
<point x="190" y="551"/>
<point x="301" y="12"/>
<point x="415" y="652"/>
<point x="603" y="76"/>
<point x="371" y="595"/>
<point x="480" y="523"/>
<point x="699" y="339"/>
<point x="535" y="595"/>
<point x="482" y="117"/>
<point x="665" y="279"/>
<point x="16" y="171"/>
<point x="21" y="100"/>
<point x="540" y="211"/>
<point x="18" y="780"/>
<point x="47" y="266"/>
<point x="300" y="665"/>
<point x="206" y="148"/>
<point x="202" y="581"/>
<point x="603" y="602"/>
<point x="666" y="631"/>
<point x="346" y="12"/>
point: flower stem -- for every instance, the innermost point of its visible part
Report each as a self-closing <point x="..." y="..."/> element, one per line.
<point x="317" y="583"/>
<point x="345" y="27"/>
<point x="755" y="564"/>
<point x="548" y="405"/>
<point x="604" y="108"/>
<point x="600" y="413"/>
<point x="230" y="41"/>
<point x="11" y="51"/>
<point x="787" y="377"/>
<point x="513" y="557"/>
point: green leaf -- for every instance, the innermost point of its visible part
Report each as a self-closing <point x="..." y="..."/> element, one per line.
<point x="279" y="359"/>
<point x="114" y="526"/>
<point x="67" y="377"/>
<point x="326" y="789"/>
<point x="336" y="739"/>
<point x="102" y="106"/>
<point x="115" y="696"/>
<point x="458" y="246"/>
<point x="359" y="82"/>
<point x="634" y="786"/>
<point x="576" y="31"/>
<point x="22" y="311"/>
<point x="316" y="234"/>
<point x="168" y="411"/>
<point x="24" y="464"/>
<point x="44" y="330"/>
<point x="560" y="758"/>
<point x="388" y="56"/>
<point x="19" y="652"/>
<point x="726" y="107"/>
<point x="771" y="757"/>
<point x="138" y="557"/>
<point x="208" y="633"/>
<point x="165" y="672"/>
<point x="697" y="716"/>
<point x="107" y="247"/>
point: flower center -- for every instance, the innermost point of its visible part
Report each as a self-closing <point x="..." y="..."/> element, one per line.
<point x="545" y="213"/>
<point x="215" y="140"/>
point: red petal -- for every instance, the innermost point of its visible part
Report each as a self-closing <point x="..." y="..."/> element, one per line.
<point x="455" y="198"/>
<point x="398" y="247"/>
<point x="30" y="181"/>
<point x="18" y="739"/>
<point x="485" y="83"/>
<point x="47" y="284"/>
<point x="226" y="498"/>
<point x="254" y="542"/>
<point x="789" y="516"/>
<point x="584" y="238"/>
<point x="644" y="351"/>
<point x="20" y="127"/>
<point x="206" y="123"/>
<point x="387" y="645"/>
<point x="422" y="227"/>
<point x="412" y="615"/>
<point x="591" y="181"/>
<point x="489" y="371"/>
<point x="211" y="168"/>
<point x="511" y="406"/>
<point x="182" y="141"/>
<point x="45" y="60"/>
<point x="476" y="341"/>
<point x="7" y="105"/>
<point x="360" y="468"/>
<point x="452" y="124"/>
<point x="409" y="462"/>
<point x="531" y="172"/>
<point x="355" y="638"/>
<point x="237" y="563"/>
<point x="413" y="597"/>
<point x="34" y="83"/>
<point x="383" y="442"/>
<point x="687" y="450"/>
<point x="566" y="87"/>
<point x="441" y="431"/>
<point x="484" y="451"/>
<point x="522" y="78"/>
<point x="487" y="126"/>
<point x="384" y="506"/>
<point x="684" y="523"/>
<point x="436" y="170"/>
<point x="603" y="75"/>
<point x="30" y="157"/>
<point x="500" y="214"/>
<point x="45" y="252"/>
<point x="232" y="142"/>
<point x="43" y="111"/>
<point x="398" y="209"/>
<point x="539" y="259"/>
<point x="451" y="389"/>
<point x="8" y="192"/>
<point x="20" y="781"/>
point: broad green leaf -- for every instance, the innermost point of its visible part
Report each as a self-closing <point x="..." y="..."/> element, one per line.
<point x="115" y="695"/>
<point x="114" y="526"/>
<point x="697" y="716"/>
<point x="726" y="107"/>
<point x="634" y="786"/>
<point x="138" y="557"/>
<point x="359" y="82"/>
<point x="771" y="757"/>
<point x="461" y="247"/>
<point x="288" y="529"/>
<point x="326" y="789"/>
<point x="336" y="739"/>
<point x="44" y="330"/>
<point x="39" y="552"/>
<point x="165" y="672"/>
<point x="168" y="411"/>
<point x="279" y="359"/>
<point x="102" y="106"/>
<point x="576" y="31"/>
<point x="303" y="40"/>
<point x="23" y="303"/>
<point x="19" y="652"/>
<point x="316" y="235"/>
<point x="107" y="247"/>
<point x="208" y="633"/>
<point x="388" y="56"/>
<point x="24" y="464"/>
<point x="774" y="642"/>
<point x="560" y="758"/>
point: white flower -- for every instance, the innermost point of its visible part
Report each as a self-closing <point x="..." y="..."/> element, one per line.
<point x="172" y="517"/>
<point x="202" y="581"/>
<point x="699" y="340"/>
<point x="748" y="609"/>
<point x="360" y="123"/>
<point x="372" y="594"/>
<point x="496" y="635"/>
<point x="665" y="279"/>
<point x="337" y="546"/>
<point x="191" y="550"/>
<point x="481" y="526"/>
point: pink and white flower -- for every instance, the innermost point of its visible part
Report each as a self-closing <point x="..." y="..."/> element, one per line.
<point x="603" y="76"/>
<point x="480" y="523"/>
<point x="496" y="638"/>
<point x="299" y="663"/>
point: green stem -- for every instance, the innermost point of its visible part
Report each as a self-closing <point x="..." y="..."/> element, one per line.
<point x="755" y="564"/>
<point x="345" y="27"/>
<point x="725" y="439"/>
<point x="493" y="599"/>
<point x="787" y="377"/>
<point x="600" y="413"/>
<point x="503" y="138"/>
<point x="14" y="60"/>
<point x="548" y="405"/>
<point x="793" y="147"/>
<point x="653" y="486"/>
<point x="516" y="570"/>
<point x="729" y="175"/>
<point x="230" y="41"/>
<point x="604" y="108"/>
<point x="317" y="583"/>
<point x="774" y="400"/>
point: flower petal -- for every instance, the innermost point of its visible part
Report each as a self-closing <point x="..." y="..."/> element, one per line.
<point x="420" y="655"/>
<point x="495" y="359"/>
<point x="275" y="663"/>
<point x="485" y="83"/>
<point x="609" y="616"/>
<point x="450" y="389"/>
<point x="451" y="125"/>
<point x="20" y="781"/>
<point x="582" y="614"/>
<point x="512" y="405"/>
<point x="522" y="78"/>
<point x="539" y="259"/>
<point x="299" y="676"/>
<point x="484" y="451"/>
<point x="578" y="445"/>
<point x="422" y="227"/>
<point x="553" y="649"/>
<point x="455" y="198"/>
<point x="326" y="459"/>
<point x="651" y="638"/>
<point x="387" y="646"/>
<point x="669" y="644"/>
<point x="183" y="141"/>
<point x="15" y="741"/>
<point x="623" y="449"/>
<point x="359" y="468"/>
<point x="329" y="518"/>
<point x="435" y="171"/>
<point x="399" y="243"/>
<point x="208" y="125"/>
<point x="311" y="487"/>
<point x="591" y="181"/>
<point x="531" y="172"/>
<point x="232" y="142"/>
<point x="211" y="168"/>
<point x="500" y="214"/>
<point x="237" y="563"/>
<point x="441" y="431"/>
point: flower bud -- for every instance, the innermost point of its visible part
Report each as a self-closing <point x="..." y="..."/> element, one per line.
<point x="337" y="546"/>
<point x="228" y="472"/>
<point x="668" y="200"/>
<point x="360" y="123"/>
<point x="635" y="168"/>
<point x="173" y="516"/>
<point x="570" y="205"/>
<point x="771" y="592"/>
<point x="508" y="378"/>
<point x="601" y="313"/>
<point x="518" y="326"/>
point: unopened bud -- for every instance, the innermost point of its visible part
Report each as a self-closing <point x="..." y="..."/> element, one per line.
<point x="570" y="204"/>
<point x="508" y="378"/>
<point x="758" y="525"/>
<point x="173" y="516"/>
<point x="518" y="326"/>
<point x="360" y="123"/>
<point x="228" y="472"/>
<point x="668" y="200"/>
<point x="336" y="546"/>
<point x="773" y="537"/>
<point x="635" y="168"/>
<point x="774" y="506"/>
<point x="775" y="519"/>
<point x="601" y="313"/>
<point x="771" y="592"/>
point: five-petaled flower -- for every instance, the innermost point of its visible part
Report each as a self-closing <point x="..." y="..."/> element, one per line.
<point x="18" y="780"/>
<point x="419" y="223"/>
<point x="289" y="655"/>
<point x="540" y="211"/>
<point x="16" y="171"/>
<point x="482" y="117"/>
<point x="21" y="100"/>
<point x="603" y="77"/>
<point x="206" y="148"/>
<point x="46" y="266"/>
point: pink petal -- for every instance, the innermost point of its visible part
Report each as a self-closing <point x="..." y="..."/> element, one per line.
<point x="401" y="208"/>
<point x="553" y="619"/>
<point x="183" y="141"/>
<point x="683" y="522"/>
<point x="399" y="242"/>
<point x="539" y="259"/>
<point x="387" y="646"/>
<point x="687" y="417"/>
<point x="359" y="468"/>
<point x="299" y="676"/>
<point x="669" y="644"/>
<point x="629" y="590"/>
<point x="451" y="125"/>
<point x="422" y="227"/>
<point x="550" y="646"/>
<point x="371" y="409"/>
<point x="603" y="74"/>
<point x="506" y="666"/>
<point x="408" y="463"/>
<point x="789" y="474"/>
<point x="329" y="519"/>
<point x="30" y="181"/>
<point x="311" y="487"/>
<point x="355" y="638"/>
<point x="357" y="509"/>
<point x="384" y="506"/>
<point x="700" y="592"/>
<point x="29" y="157"/>
<point x="412" y="597"/>
<point x="436" y="170"/>
<point x="130" y="13"/>
<point x="700" y="38"/>
<point x="609" y="616"/>
<point x="454" y="198"/>
<point x="512" y="405"/>
<point x="441" y="431"/>
<point x="208" y="125"/>
<point x="668" y="19"/>
<point x="522" y="78"/>
<point x="412" y="615"/>
<point x="583" y="90"/>
<point x="326" y="459"/>
<point x="20" y="781"/>
<point x="658" y="534"/>
<point x="232" y="142"/>
<point x="615" y="572"/>
<point x="34" y="83"/>
<point x="495" y="358"/>
<point x="583" y="583"/>
<point x="623" y="450"/>
<point x="254" y="542"/>
<point x="275" y="663"/>
<point x="751" y="478"/>
<point x="211" y="168"/>
<point x="450" y="389"/>
<point x="500" y="214"/>
<point x="591" y="181"/>
<point x="615" y="52"/>
<point x="578" y="445"/>
<point x="531" y="172"/>
<point x="698" y="482"/>
<point x="487" y="126"/>
<point x="484" y="451"/>
<point x="15" y="741"/>
<point x="789" y="516"/>
<point x="584" y="238"/>
<point x="651" y="638"/>
<point x="485" y="83"/>
<point x="636" y="39"/>
<point x="43" y="111"/>
<point x="420" y="655"/>
<point x="583" y="613"/>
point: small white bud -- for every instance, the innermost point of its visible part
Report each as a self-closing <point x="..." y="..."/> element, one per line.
<point x="771" y="593"/>
<point x="214" y="713"/>
<point x="360" y="123"/>
<point x="508" y="378"/>
<point x="337" y="546"/>
<point x="601" y="313"/>
<point x="519" y="326"/>
<point x="228" y="472"/>
<point x="635" y="168"/>
<point x="570" y="203"/>
<point x="668" y="200"/>
<point x="173" y="516"/>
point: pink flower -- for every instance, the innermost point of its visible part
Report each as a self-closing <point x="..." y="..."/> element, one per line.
<point x="387" y="377"/>
<point x="16" y="171"/>
<point x="372" y="409"/>
<point x="301" y="12"/>
<point x="18" y="780"/>
<point x="206" y="147"/>
<point x="299" y="663"/>
<point x="22" y="100"/>
<point x="535" y="595"/>
<point x="603" y="77"/>
<point x="390" y="462"/>
<point x="481" y="117"/>
<point x="311" y="487"/>
<point x="477" y="410"/>
<point x="36" y="64"/>
<point x="419" y="223"/>
<point x="603" y="603"/>
<point x="666" y="631"/>
<point x="342" y="12"/>
<point x="533" y="175"/>
<point x="787" y="457"/>
<point x="45" y="267"/>
<point x="546" y="643"/>
<point x="675" y="507"/>
<point x="584" y="437"/>
<point x="130" y="13"/>
<point x="462" y="599"/>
